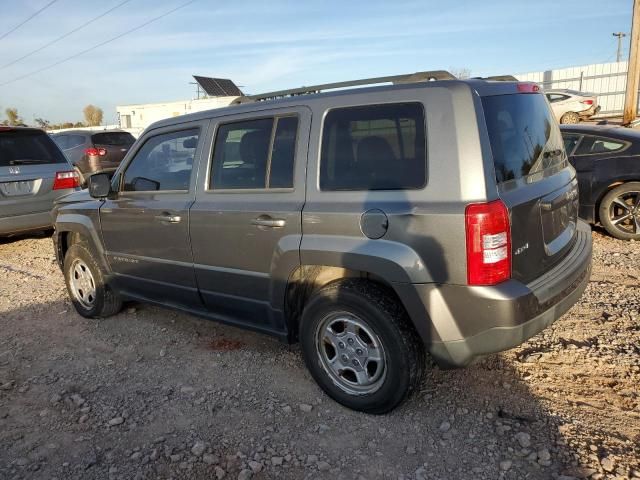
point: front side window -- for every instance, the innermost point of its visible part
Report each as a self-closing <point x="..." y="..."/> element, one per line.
<point x="375" y="147"/>
<point x="164" y="162"/>
<point x="255" y="154"/>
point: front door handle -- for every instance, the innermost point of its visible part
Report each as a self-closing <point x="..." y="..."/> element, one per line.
<point x="168" y="218"/>
<point x="267" y="221"/>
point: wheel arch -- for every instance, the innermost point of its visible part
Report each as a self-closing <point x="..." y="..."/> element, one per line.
<point x="610" y="185"/>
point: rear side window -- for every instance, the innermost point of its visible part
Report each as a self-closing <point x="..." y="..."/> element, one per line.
<point x="255" y="154"/>
<point x="376" y="147"/>
<point x="113" y="138"/>
<point x="28" y="147"/>
<point x="570" y="142"/>
<point x="595" y="145"/>
<point x="525" y="139"/>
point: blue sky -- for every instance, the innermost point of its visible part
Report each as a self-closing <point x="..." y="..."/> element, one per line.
<point x="268" y="45"/>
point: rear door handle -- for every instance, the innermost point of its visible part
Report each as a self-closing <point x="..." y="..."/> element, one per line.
<point x="168" y="218"/>
<point x="267" y="221"/>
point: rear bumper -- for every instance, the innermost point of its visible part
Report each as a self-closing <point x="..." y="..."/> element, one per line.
<point x="589" y="112"/>
<point x="25" y="223"/>
<point x="459" y="323"/>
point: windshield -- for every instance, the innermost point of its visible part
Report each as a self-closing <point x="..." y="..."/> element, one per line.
<point x="28" y="147"/>
<point x="525" y="139"/>
<point x="113" y="138"/>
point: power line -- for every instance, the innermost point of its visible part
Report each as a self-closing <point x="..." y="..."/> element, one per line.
<point x="63" y="36"/>
<point x="55" y="64"/>
<point x="28" y="18"/>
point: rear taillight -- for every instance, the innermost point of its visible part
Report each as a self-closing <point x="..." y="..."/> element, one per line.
<point x="488" y="243"/>
<point x="64" y="180"/>
<point x="587" y="102"/>
<point x="96" y="152"/>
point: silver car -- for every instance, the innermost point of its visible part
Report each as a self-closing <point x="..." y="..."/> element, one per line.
<point x="33" y="173"/>
<point x="571" y="106"/>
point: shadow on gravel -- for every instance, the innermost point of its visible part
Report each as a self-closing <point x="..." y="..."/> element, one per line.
<point x="25" y="236"/>
<point x="137" y="393"/>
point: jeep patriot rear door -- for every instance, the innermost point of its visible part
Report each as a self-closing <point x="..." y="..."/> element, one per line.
<point x="246" y="220"/>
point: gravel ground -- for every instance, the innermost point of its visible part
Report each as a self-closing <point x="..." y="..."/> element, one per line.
<point x="152" y="393"/>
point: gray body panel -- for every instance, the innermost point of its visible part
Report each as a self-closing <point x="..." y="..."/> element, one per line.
<point x="223" y="266"/>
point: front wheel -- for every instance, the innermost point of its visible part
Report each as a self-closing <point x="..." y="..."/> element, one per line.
<point x="620" y="211"/>
<point x="570" y="118"/>
<point x="90" y="295"/>
<point x="359" y="346"/>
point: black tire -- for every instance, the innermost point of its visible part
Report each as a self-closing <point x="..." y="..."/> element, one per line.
<point x="570" y="118"/>
<point x="105" y="302"/>
<point x="404" y="352"/>
<point x="612" y="210"/>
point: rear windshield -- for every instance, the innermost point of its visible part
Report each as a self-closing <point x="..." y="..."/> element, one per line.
<point x="112" y="138"/>
<point x="525" y="139"/>
<point x="28" y="147"/>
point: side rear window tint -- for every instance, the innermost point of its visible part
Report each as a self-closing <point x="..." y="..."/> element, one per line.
<point x="376" y="147"/>
<point x="255" y="154"/>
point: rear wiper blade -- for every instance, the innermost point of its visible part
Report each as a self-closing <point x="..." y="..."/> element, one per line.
<point x="22" y="161"/>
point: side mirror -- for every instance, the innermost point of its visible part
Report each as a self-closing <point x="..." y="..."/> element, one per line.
<point x="99" y="185"/>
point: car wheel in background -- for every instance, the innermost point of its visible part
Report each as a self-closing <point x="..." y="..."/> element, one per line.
<point x="620" y="211"/>
<point x="570" y="117"/>
<point x="89" y="293"/>
<point x="360" y="347"/>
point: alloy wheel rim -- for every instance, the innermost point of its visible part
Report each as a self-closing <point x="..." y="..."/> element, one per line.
<point x="83" y="285"/>
<point x="624" y="212"/>
<point x="351" y="353"/>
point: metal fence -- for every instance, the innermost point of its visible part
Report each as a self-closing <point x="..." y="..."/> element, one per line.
<point x="607" y="80"/>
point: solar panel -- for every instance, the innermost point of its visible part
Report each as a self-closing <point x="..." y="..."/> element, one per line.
<point x="218" y="87"/>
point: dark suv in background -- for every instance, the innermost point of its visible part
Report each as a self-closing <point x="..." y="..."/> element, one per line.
<point x="33" y="173"/>
<point x="93" y="151"/>
<point x="369" y="224"/>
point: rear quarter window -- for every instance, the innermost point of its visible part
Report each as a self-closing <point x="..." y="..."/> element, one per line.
<point x="524" y="137"/>
<point x="28" y="147"/>
<point x="374" y="147"/>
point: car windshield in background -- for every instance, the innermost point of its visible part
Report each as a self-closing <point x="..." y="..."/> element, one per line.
<point x="525" y="139"/>
<point x="113" y="138"/>
<point x="28" y="147"/>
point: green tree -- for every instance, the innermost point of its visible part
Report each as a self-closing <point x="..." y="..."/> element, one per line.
<point x="42" y="123"/>
<point x="92" y="115"/>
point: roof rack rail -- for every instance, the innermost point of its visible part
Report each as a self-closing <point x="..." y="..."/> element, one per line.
<point x="395" y="79"/>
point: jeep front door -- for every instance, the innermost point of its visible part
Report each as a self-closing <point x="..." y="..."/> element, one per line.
<point x="146" y="225"/>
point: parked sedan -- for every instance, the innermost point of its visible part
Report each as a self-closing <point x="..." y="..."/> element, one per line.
<point x="571" y="106"/>
<point x="33" y="173"/>
<point x="607" y="160"/>
<point x="93" y="151"/>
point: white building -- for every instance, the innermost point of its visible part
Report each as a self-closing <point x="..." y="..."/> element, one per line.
<point x="140" y="116"/>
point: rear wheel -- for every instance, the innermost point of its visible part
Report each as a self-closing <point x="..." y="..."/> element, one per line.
<point x="359" y="346"/>
<point x="570" y="117"/>
<point x="90" y="295"/>
<point x="620" y="211"/>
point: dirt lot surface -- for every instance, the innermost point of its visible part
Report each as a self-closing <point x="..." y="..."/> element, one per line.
<point x="151" y="393"/>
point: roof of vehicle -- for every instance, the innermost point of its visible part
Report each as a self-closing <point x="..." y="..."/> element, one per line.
<point x="7" y="128"/>
<point x="612" y="131"/>
<point x="81" y="131"/>
<point x="483" y="87"/>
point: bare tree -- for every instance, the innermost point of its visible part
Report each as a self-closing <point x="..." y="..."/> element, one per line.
<point x="92" y="115"/>
<point x="460" y="72"/>
<point x="42" y="123"/>
<point x="12" y="116"/>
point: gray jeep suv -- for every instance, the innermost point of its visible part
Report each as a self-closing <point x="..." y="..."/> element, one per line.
<point x="373" y="225"/>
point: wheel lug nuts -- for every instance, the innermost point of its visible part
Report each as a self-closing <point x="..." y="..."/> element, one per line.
<point x="341" y="345"/>
<point x="345" y="358"/>
<point x="359" y="351"/>
<point x="356" y="362"/>
<point x="350" y="340"/>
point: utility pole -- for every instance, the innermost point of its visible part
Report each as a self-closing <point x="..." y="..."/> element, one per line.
<point x="620" y="36"/>
<point x="633" y="69"/>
